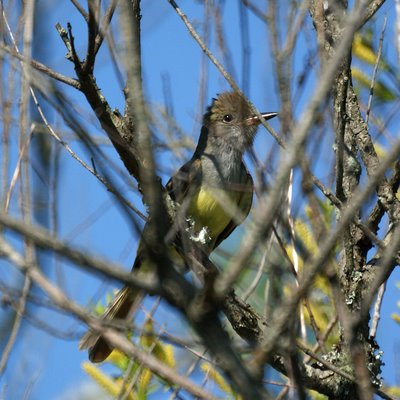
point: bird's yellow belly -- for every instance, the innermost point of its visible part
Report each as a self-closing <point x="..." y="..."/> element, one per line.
<point x="207" y="210"/>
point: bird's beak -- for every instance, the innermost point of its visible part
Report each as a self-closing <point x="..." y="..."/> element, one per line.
<point x="256" y="121"/>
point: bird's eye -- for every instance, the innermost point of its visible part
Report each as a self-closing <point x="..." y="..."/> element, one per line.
<point x="227" y="118"/>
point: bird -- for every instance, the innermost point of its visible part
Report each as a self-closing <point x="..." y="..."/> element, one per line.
<point x="214" y="188"/>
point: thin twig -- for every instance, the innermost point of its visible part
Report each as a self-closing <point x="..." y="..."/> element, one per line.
<point x="268" y="211"/>
<point x="17" y="170"/>
<point x="126" y="388"/>
<point x="397" y="36"/>
<point x="56" y="136"/>
<point x="204" y="319"/>
<point x="81" y="10"/>
<point x="378" y="58"/>
<point x="314" y="325"/>
<point x="222" y="70"/>
<point x="20" y="310"/>
<point x="372" y="8"/>
<point x="260" y="271"/>
<point x="112" y="336"/>
<point x="88" y="64"/>
<point x="324" y="337"/>
<point x="188" y="372"/>
<point x="377" y="310"/>
<point x="295" y="256"/>
<point x="45" y="239"/>
<point x="255" y="10"/>
<point x="230" y="80"/>
<point x="104" y="25"/>
<point x="43" y="68"/>
<point x="319" y="261"/>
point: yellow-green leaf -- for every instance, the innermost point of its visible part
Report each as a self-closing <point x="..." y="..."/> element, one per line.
<point x="144" y="382"/>
<point x="363" y="51"/>
<point x="381" y="91"/>
<point x="218" y="379"/>
<point x="104" y="381"/>
<point x="396" y="317"/>
<point x="119" y="359"/>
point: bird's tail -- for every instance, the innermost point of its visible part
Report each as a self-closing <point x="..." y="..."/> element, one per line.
<point x="120" y="308"/>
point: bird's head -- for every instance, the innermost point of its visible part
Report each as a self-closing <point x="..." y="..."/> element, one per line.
<point x="230" y="120"/>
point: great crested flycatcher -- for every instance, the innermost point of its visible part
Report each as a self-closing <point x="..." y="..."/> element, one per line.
<point x="214" y="189"/>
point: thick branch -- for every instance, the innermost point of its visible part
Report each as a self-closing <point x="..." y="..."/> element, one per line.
<point x="111" y="121"/>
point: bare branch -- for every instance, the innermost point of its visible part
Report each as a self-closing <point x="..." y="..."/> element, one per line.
<point x="81" y="10"/>
<point x="377" y="310"/>
<point x="110" y="121"/>
<point x="20" y="309"/>
<point x="105" y="24"/>
<point x="43" y="68"/>
<point x="41" y="238"/>
<point x="88" y="64"/>
<point x="120" y="342"/>
<point x="374" y="73"/>
<point x="221" y="69"/>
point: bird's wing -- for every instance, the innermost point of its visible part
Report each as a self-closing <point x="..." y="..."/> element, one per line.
<point x="244" y="204"/>
<point x="188" y="176"/>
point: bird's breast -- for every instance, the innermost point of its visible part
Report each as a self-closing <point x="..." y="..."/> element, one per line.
<point x="209" y="208"/>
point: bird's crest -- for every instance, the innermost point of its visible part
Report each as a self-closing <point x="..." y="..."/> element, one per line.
<point x="228" y="103"/>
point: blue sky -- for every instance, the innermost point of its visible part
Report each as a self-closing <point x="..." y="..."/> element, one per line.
<point x="168" y="50"/>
